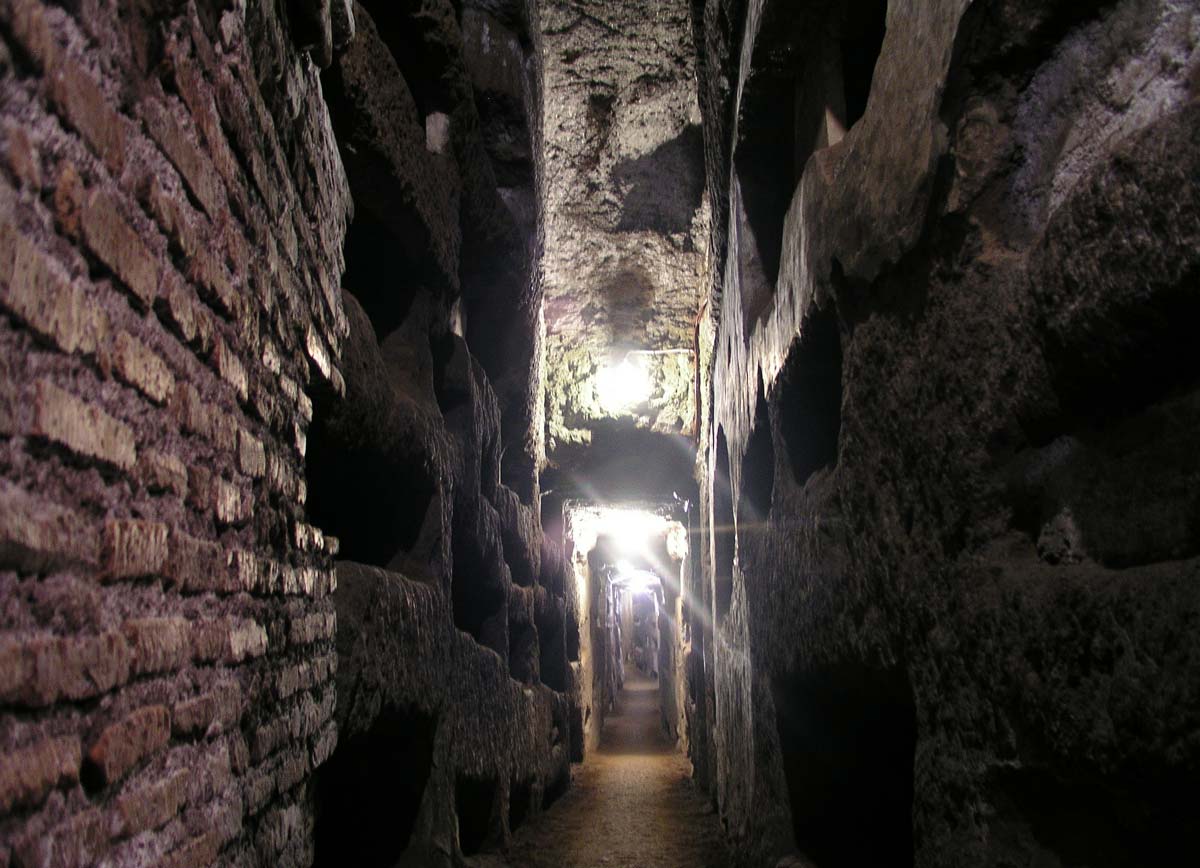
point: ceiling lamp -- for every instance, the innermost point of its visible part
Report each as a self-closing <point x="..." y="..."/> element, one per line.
<point x="632" y="529"/>
<point x="621" y="387"/>
<point x="635" y="580"/>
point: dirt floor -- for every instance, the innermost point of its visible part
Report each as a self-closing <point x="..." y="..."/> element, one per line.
<point x="631" y="804"/>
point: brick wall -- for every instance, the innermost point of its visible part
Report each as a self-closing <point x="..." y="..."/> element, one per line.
<point x="172" y="210"/>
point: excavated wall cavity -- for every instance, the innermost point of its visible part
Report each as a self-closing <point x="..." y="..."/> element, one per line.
<point x="389" y="765"/>
<point x="723" y="534"/>
<point x="847" y="736"/>
<point x="963" y="633"/>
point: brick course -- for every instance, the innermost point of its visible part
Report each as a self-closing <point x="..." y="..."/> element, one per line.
<point x="28" y="774"/>
<point x="156" y="301"/>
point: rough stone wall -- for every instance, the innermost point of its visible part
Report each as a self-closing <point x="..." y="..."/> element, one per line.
<point x="594" y="634"/>
<point x="625" y="214"/>
<point x="502" y="221"/>
<point x="950" y="433"/>
<point x="673" y="650"/>
<point x="171" y="219"/>
<point x="453" y="682"/>
<point x="695" y="648"/>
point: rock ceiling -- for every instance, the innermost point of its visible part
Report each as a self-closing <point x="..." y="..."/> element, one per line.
<point x="626" y="219"/>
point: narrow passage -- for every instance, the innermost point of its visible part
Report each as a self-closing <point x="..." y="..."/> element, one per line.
<point x="631" y="805"/>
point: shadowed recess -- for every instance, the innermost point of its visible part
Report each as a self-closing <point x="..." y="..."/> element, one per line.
<point x="810" y="396"/>
<point x="847" y="734"/>
<point x="475" y="805"/>
<point x="369" y="792"/>
<point x="724" y="537"/>
<point x="758" y="467"/>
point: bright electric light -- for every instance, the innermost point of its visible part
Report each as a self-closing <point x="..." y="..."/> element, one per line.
<point x="620" y="388"/>
<point x="635" y="580"/>
<point x="631" y="530"/>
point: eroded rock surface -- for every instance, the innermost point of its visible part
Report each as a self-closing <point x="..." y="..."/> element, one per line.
<point x="947" y="432"/>
<point x="625" y="213"/>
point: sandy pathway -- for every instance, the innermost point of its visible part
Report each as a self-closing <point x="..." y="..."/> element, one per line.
<point x="631" y="805"/>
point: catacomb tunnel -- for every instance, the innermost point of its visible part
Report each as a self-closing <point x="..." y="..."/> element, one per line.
<point x="580" y="433"/>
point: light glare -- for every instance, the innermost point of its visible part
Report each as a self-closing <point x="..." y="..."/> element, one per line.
<point x="633" y="531"/>
<point x="634" y="580"/>
<point x="620" y="388"/>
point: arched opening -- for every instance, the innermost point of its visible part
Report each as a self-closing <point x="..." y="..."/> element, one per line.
<point x="810" y="78"/>
<point x="758" y="467"/>
<point x="369" y="792"/>
<point x="475" y="805"/>
<point x="552" y="645"/>
<point x="478" y="594"/>
<point x="723" y="530"/>
<point x="349" y="498"/>
<point x="366" y="485"/>
<point x="520" y="800"/>
<point x="810" y="396"/>
<point x="847" y="733"/>
<point x="523" y="652"/>
<point x="385" y="292"/>
<point x="862" y="32"/>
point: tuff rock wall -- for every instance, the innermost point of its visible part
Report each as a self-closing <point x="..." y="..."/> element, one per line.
<point x="954" y="396"/>
<point x="626" y="219"/>
<point x="453" y="712"/>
